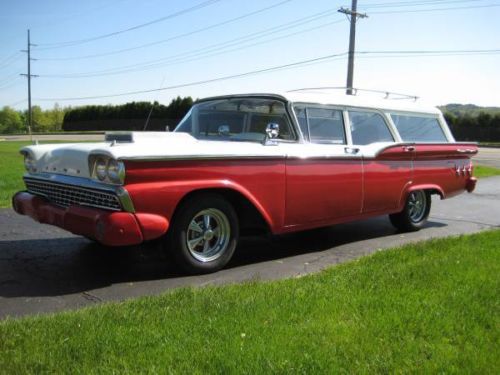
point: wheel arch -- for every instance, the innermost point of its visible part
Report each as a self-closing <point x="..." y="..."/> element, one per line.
<point x="251" y="215"/>
<point x="430" y="188"/>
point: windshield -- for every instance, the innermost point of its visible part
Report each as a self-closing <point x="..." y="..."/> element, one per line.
<point x="237" y="119"/>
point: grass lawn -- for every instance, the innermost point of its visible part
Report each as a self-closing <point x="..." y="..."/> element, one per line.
<point x="11" y="171"/>
<point x="481" y="171"/>
<point x="426" y="307"/>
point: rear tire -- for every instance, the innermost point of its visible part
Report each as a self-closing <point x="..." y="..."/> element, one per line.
<point x="204" y="234"/>
<point x="415" y="213"/>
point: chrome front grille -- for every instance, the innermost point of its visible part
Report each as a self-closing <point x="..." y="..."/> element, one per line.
<point x="66" y="195"/>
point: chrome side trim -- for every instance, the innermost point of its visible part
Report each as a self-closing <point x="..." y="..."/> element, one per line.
<point x="125" y="199"/>
<point x="201" y="157"/>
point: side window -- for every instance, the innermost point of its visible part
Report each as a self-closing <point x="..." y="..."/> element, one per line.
<point x="418" y="129"/>
<point x="326" y="125"/>
<point x="300" y="112"/>
<point x="368" y="127"/>
<point x="321" y="125"/>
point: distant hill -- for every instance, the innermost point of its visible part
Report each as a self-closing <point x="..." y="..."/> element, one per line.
<point x="469" y="109"/>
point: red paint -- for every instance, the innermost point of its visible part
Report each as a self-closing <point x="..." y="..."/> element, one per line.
<point x="152" y="226"/>
<point x="319" y="190"/>
<point x="109" y="228"/>
<point x="386" y="178"/>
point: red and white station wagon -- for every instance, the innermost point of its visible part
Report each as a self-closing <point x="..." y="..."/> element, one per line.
<point x="241" y="163"/>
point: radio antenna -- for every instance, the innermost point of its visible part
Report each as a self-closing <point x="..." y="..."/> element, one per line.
<point x="153" y="104"/>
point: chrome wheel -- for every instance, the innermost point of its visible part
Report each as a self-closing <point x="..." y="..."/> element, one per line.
<point x="417" y="205"/>
<point x="208" y="235"/>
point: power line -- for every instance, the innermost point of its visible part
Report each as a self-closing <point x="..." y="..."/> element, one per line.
<point x="9" y="57"/>
<point x="194" y="55"/>
<point x="81" y="13"/>
<point x="424" y="52"/>
<point x="296" y="64"/>
<point x="175" y="37"/>
<point x="16" y="103"/>
<point x="10" y="60"/>
<point x="434" y="9"/>
<point x="9" y="78"/>
<point x="10" y="85"/>
<point x="416" y="3"/>
<point x="195" y="83"/>
<point x="161" y="19"/>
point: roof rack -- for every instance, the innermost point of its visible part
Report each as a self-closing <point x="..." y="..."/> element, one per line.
<point x="387" y="94"/>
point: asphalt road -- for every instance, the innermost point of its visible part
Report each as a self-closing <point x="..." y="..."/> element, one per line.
<point x="488" y="156"/>
<point x="44" y="269"/>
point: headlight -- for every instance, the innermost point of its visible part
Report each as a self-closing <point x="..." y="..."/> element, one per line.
<point x="29" y="162"/>
<point x="106" y="169"/>
<point x="100" y="169"/>
<point x="115" y="171"/>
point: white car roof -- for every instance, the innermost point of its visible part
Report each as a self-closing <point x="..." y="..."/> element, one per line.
<point x="360" y="100"/>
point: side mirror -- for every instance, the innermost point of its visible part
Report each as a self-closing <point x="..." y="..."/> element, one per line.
<point x="223" y="130"/>
<point x="272" y="132"/>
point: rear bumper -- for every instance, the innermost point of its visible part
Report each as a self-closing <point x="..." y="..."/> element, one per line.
<point x="108" y="227"/>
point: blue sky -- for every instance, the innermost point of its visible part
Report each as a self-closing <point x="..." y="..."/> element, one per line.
<point x="266" y="39"/>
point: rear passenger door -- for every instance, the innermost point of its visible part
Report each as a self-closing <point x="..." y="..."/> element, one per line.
<point x="323" y="176"/>
<point x="387" y="168"/>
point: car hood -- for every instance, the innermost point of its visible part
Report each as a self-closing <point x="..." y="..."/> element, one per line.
<point x="72" y="158"/>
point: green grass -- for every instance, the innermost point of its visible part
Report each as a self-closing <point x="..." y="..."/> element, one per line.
<point x="489" y="144"/>
<point x="481" y="171"/>
<point x="11" y="171"/>
<point x="431" y="307"/>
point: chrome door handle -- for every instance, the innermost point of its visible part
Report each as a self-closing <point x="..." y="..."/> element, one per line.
<point x="351" y="150"/>
<point x="408" y="148"/>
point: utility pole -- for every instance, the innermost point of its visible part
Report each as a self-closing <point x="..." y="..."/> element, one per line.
<point x="354" y="15"/>
<point x="29" y="75"/>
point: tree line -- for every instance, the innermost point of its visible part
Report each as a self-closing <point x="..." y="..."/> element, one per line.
<point x="129" y="116"/>
<point x="479" y="127"/>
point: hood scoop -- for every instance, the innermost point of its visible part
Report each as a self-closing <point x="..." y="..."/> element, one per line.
<point x="119" y="137"/>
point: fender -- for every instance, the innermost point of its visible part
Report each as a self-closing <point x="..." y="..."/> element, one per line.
<point x="162" y="198"/>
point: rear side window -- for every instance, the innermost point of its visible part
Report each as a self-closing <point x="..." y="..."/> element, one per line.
<point x="418" y="129"/>
<point x="368" y="127"/>
<point x="321" y="125"/>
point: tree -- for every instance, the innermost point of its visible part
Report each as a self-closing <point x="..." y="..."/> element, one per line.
<point x="10" y="121"/>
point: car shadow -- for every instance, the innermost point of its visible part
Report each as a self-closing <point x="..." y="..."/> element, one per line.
<point x="62" y="266"/>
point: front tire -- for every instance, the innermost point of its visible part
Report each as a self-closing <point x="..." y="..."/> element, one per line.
<point x="415" y="213"/>
<point x="204" y="234"/>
